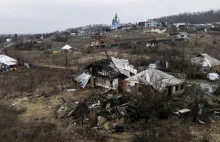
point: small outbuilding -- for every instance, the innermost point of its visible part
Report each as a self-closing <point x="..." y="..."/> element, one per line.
<point x="66" y="48"/>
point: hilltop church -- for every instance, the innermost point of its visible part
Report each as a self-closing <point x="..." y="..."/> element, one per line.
<point x="115" y="23"/>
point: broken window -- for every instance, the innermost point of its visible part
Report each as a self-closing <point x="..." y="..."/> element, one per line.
<point x="197" y="69"/>
<point x="177" y="88"/>
<point x="204" y="70"/>
<point x="182" y="87"/>
<point x="128" y="88"/>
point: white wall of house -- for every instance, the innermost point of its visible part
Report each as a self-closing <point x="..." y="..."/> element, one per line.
<point x="151" y="23"/>
<point x="103" y="82"/>
<point x="115" y="84"/>
<point x="178" y="89"/>
<point x="106" y="83"/>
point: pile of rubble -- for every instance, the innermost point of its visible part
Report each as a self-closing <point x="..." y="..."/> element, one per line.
<point x="108" y="110"/>
<point x="112" y="110"/>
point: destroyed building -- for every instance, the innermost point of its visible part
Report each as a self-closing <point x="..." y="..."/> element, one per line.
<point x="153" y="81"/>
<point x="111" y="111"/>
<point x="110" y="118"/>
<point x="106" y="73"/>
<point x="179" y="35"/>
<point x="98" y="40"/>
<point x="205" y="64"/>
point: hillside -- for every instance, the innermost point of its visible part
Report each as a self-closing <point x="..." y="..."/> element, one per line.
<point x="210" y="16"/>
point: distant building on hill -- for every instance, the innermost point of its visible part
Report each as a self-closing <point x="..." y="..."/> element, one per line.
<point x="115" y="23"/>
<point x="151" y="23"/>
<point x="181" y="25"/>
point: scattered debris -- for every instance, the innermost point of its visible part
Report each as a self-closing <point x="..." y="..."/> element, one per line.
<point x="75" y="109"/>
<point x="208" y="88"/>
<point x="83" y="79"/>
<point x="217" y="113"/>
<point x="71" y="90"/>
<point x="182" y="111"/>
<point x="213" y="76"/>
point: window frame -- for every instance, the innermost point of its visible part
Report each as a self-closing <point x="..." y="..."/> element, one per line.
<point x="128" y="88"/>
<point x="182" y="86"/>
<point x="176" y="88"/>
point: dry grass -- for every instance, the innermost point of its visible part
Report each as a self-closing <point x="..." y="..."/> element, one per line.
<point x="39" y="111"/>
<point x="14" y="129"/>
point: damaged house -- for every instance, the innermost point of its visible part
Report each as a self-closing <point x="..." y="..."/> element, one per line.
<point x="98" y="40"/>
<point x="106" y="73"/>
<point x="205" y="64"/>
<point x="7" y="63"/>
<point x="110" y="118"/>
<point x="153" y="81"/>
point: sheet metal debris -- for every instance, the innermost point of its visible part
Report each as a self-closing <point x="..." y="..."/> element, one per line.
<point x="182" y="111"/>
<point x="213" y="76"/>
<point x="83" y="79"/>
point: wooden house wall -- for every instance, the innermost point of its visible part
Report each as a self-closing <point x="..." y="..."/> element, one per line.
<point x="215" y="69"/>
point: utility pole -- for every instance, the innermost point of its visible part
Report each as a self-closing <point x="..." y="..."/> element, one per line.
<point x="190" y="71"/>
<point x="66" y="52"/>
<point x="196" y="37"/>
<point x="16" y="38"/>
<point x="136" y="56"/>
<point x="66" y="60"/>
<point x="182" y="59"/>
<point x="99" y="36"/>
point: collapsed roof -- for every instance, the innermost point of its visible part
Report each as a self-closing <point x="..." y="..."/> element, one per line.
<point x="114" y="67"/>
<point x="205" y="60"/>
<point x="112" y="113"/>
<point x="156" y="78"/>
<point x="106" y="65"/>
<point x="123" y="66"/>
<point x="10" y="63"/>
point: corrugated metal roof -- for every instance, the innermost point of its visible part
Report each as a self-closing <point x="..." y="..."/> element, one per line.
<point x="83" y="79"/>
<point x="124" y="66"/>
<point x="205" y="60"/>
<point x="10" y="63"/>
<point x="156" y="78"/>
<point x="115" y="67"/>
<point x="4" y="59"/>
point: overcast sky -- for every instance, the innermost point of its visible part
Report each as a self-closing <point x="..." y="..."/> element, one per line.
<point x="39" y="16"/>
